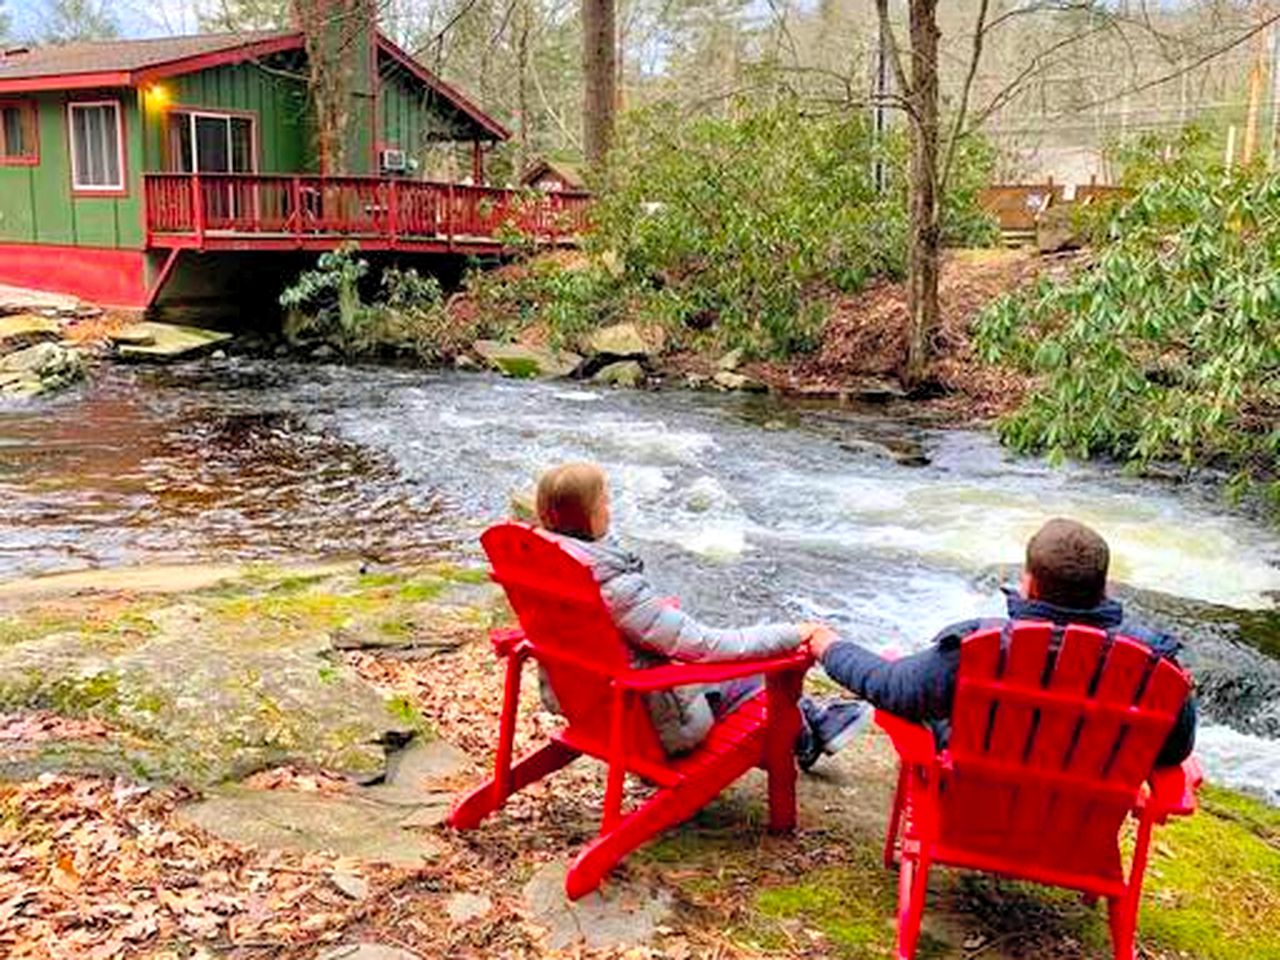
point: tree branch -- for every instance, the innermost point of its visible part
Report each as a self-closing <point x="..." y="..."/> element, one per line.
<point x="957" y="125"/>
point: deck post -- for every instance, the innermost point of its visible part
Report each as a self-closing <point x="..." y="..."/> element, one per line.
<point x="197" y="208"/>
<point x="448" y="214"/>
<point x="295" y="190"/>
<point x="393" y="210"/>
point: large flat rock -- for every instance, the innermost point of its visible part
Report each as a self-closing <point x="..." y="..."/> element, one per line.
<point x="619" y="915"/>
<point x="345" y="825"/>
<point x="203" y="700"/>
<point x="165" y="341"/>
<point x="25" y="329"/>
<point x="24" y="300"/>
<point x="235" y="673"/>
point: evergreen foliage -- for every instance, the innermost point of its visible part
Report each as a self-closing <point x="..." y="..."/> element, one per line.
<point x="406" y="316"/>
<point x="1168" y="347"/>
<point x="737" y="230"/>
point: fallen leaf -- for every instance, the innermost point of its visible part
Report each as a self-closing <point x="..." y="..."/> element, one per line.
<point x="64" y="874"/>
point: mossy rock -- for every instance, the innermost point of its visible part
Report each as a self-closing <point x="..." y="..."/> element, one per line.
<point x="238" y="674"/>
<point x="523" y="363"/>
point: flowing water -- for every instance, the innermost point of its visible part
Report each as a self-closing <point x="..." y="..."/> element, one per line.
<point x="746" y="507"/>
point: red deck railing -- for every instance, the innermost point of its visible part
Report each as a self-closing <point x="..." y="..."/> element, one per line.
<point x="303" y="208"/>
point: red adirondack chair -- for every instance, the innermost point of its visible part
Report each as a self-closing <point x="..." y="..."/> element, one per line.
<point x="1048" y="757"/>
<point x="565" y="627"/>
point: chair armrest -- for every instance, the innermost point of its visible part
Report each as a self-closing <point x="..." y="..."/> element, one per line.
<point x="913" y="741"/>
<point x="684" y="674"/>
<point x="506" y="639"/>
<point x="1171" y="791"/>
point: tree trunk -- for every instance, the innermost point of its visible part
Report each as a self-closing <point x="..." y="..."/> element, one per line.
<point x="332" y="31"/>
<point x="922" y="266"/>
<point x="599" y="76"/>
<point x="523" y="138"/>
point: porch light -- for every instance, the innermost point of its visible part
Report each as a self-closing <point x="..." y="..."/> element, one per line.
<point x="157" y="96"/>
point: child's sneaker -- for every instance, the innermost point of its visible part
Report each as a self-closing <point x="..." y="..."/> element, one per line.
<point x="829" y="727"/>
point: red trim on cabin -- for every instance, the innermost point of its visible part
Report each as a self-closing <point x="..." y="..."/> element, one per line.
<point x="30" y="128"/>
<point x="122" y="151"/>
<point x="105" y="276"/>
<point x="218" y="58"/>
<point x="498" y="131"/>
<point x="320" y="244"/>
<point x="68" y="81"/>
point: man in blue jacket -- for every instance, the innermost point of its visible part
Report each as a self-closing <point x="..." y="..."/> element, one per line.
<point x="1064" y="581"/>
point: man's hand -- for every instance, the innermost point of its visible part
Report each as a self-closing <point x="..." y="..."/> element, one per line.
<point x="818" y="636"/>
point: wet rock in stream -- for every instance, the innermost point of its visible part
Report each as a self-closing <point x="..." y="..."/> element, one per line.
<point x="1229" y="652"/>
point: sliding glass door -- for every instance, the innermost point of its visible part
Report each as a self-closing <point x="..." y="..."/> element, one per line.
<point x="202" y="142"/>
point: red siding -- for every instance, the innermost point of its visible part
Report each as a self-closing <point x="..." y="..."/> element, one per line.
<point x="104" y="277"/>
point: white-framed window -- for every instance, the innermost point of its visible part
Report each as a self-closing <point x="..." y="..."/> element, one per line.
<point x="97" y="146"/>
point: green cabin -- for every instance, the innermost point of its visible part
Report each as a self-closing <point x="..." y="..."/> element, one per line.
<point x="120" y="158"/>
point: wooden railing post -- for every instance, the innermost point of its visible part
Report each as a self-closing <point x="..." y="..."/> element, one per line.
<point x="448" y="214"/>
<point x="295" y="193"/>
<point x="197" y="208"/>
<point x="393" y="210"/>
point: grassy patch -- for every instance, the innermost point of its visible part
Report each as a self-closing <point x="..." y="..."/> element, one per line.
<point x="420" y="591"/>
<point x="852" y="906"/>
<point x="1213" y="887"/>
<point x="370" y="581"/>
<point x="23" y="628"/>
<point x="316" y="611"/>
<point x="296" y="584"/>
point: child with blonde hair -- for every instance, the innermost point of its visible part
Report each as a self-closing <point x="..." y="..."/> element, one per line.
<point x="573" y="506"/>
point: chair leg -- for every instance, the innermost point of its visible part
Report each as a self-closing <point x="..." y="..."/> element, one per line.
<point x="1122" y="911"/>
<point x="1122" y="915"/>
<point x="782" y="692"/>
<point x="484" y="799"/>
<point x="895" y="820"/>
<point x="913" y="887"/>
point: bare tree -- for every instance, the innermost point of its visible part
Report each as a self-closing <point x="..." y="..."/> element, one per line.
<point x="599" y="67"/>
<point x="66" y="21"/>
<point x="918" y="92"/>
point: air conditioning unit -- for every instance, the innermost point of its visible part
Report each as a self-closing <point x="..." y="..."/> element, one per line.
<point x="393" y="161"/>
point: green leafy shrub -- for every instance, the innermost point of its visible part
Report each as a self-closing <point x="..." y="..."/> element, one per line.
<point x="408" y="316"/>
<point x="1168" y="347"/>
<point x="326" y="300"/>
<point x="737" y="229"/>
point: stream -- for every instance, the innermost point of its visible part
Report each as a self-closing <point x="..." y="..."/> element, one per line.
<point x="748" y="507"/>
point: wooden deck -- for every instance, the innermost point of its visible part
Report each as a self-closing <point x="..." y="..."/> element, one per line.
<point x="284" y="212"/>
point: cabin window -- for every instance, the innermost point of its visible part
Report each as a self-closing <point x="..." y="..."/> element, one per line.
<point x="199" y="142"/>
<point x="18" y="133"/>
<point x="97" y="148"/>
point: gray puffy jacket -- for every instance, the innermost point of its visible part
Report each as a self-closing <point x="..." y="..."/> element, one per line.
<point x="659" y="633"/>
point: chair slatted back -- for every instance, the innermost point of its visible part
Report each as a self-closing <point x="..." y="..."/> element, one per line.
<point x="571" y="634"/>
<point x="1054" y="730"/>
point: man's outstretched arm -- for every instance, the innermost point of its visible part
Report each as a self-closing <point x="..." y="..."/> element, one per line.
<point x="919" y="687"/>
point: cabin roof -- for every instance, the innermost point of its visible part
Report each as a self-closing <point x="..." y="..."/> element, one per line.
<point x="125" y="56"/>
<point x="130" y="63"/>
<point x="566" y="172"/>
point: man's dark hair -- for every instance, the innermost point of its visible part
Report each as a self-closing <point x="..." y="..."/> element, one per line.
<point x="1069" y="563"/>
